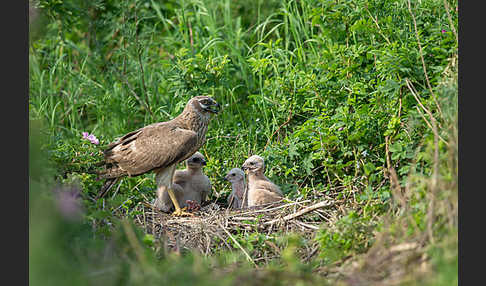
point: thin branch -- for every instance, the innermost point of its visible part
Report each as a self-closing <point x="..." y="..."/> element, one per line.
<point x="142" y="74"/>
<point x="432" y="118"/>
<point x="238" y="244"/>
<point x="144" y="104"/>
<point x="278" y="129"/>
<point x="378" y="26"/>
<point x="302" y="212"/>
<point x="422" y="58"/>
<point x="450" y="19"/>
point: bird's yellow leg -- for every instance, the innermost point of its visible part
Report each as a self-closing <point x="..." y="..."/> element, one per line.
<point x="178" y="211"/>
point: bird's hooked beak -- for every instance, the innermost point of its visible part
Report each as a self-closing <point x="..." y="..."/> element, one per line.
<point x="215" y="108"/>
<point x="197" y="160"/>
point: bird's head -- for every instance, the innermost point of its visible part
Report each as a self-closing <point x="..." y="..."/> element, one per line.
<point x="204" y="104"/>
<point x="253" y="164"/>
<point x="196" y="161"/>
<point x="235" y="175"/>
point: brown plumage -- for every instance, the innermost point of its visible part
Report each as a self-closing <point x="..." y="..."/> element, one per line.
<point x="159" y="147"/>
<point x="260" y="189"/>
<point x="236" y="199"/>
<point x="190" y="184"/>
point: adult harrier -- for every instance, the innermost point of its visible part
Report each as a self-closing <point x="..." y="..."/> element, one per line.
<point x="159" y="147"/>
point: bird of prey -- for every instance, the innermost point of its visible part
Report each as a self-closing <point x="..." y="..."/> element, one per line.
<point x="260" y="189"/>
<point x="159" y="147"/>
<point x="236" y="199"/>
<point x="191" y="186"/>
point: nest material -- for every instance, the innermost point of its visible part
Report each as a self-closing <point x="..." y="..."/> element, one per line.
<point x="214" y="226"/>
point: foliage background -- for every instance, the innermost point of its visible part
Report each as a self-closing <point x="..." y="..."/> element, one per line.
<point x="351" y="99"/>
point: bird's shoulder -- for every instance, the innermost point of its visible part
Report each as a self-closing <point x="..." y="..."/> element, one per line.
<point x="266" y="184"/>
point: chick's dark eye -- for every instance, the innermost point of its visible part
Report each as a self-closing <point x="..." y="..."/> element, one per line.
<point x="252" y="163"/>
<point x="233" y="175"/>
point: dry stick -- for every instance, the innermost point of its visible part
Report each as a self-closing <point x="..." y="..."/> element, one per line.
<point x="238" y="244"/>
<point x="422" y="57"/>
<point x="413" y="91"/>
<point x="301" y="212"/>
<point x="278" y="129"/>
<point x="244" y="199"/>
<point x="272" y="209"/>
<point x="142" y="74"/>
<point x="136" y="96"/>
<point x="190" y="34"/>
<point x="450" y="19"/>
<point x="306" y="225"/>
<point x="378" y="26"/>
<point x="392" y="175"/>
<point x="435" y="172"/>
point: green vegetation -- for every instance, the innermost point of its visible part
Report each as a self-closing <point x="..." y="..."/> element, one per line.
<point x="350" y="100"/>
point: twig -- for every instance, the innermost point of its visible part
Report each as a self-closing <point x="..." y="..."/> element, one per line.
<point x="392" y="176"/>
<point x="272" y="209"/>
<point x="278" y="129"/>
<point x="117" y="189"/>
<point x="238" y="244"/>
<point x="190" y="35"/>
<point x="450" y="19"/>
<point x="142" y="74"/>
<point x="378" y="26"/>
<point x="306" y="225"/>
<point x="422" y="58"/>
<point x="144" y="104"/>
<point x="432" y="118"/>
<point x="301" y="212"/>
<point x="435" y="172"/>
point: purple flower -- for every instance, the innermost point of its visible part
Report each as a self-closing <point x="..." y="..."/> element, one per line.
<point x="340" y="128"/>
<point x="443" y="31"/>
<point x="91" y="138"/>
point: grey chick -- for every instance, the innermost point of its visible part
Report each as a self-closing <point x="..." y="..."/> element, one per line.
<point x="260" y="189"/>
<point x="236" y="199"/>
<point x="191" y="186"/>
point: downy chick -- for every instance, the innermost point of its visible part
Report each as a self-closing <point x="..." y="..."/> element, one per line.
<point x="191" y="186"/>
<point x="260" y="189"/>
<point x="236" y="199"/>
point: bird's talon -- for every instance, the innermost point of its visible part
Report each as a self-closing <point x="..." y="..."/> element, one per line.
<point x="181" y="212"/>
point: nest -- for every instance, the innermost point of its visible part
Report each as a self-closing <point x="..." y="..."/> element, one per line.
<point x="214" y="226"/>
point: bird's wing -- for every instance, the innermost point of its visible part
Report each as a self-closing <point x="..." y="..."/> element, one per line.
<point x="269" y="186"/>
<point x="180" y="177"/>
<point x="207" y="188"/>
<point x="154" y="146"/>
